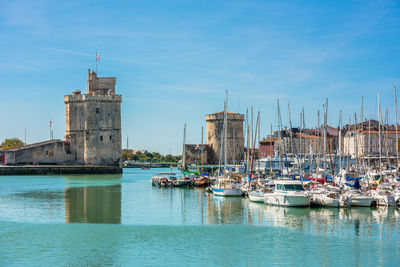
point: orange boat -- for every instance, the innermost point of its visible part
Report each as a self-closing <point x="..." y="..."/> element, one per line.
<point x="202" y="181"/>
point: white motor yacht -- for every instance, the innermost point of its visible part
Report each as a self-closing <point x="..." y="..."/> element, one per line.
<point x="289" y="193"/>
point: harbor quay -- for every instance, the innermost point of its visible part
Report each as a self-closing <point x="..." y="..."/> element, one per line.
<point x="58" y="169"/>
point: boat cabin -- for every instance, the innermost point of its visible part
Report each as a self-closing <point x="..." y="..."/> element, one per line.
<point x="289" y="186"/>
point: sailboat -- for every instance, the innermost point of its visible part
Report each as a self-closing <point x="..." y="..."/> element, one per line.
<point x="225" y="185"/>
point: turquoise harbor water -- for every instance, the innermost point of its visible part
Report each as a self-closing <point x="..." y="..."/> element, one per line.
<point x="109" y="220"/>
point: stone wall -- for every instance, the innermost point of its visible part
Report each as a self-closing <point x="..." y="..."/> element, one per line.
<point x="193" y="154"/>
<point x="235" y="139"/>
<point x="49" y="152"/>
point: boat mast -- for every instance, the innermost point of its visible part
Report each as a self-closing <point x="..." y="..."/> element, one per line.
<point x="270" y="155"/>
<point x="251" y="128"/>
<point x="259" y="136"/>
<point x="184" y="148"/>
<point x="283" y="142"/>
<point x="280" y="136"/>
<point x="379" y="137"/>
<point x="340" y="140"/>
<point x="254" y="146"/>
<point x="222" y="140"/>
<point x="304" y="126"/>
<point x="225" y="131"/>
<point x="325" y="131"/>
<point x="356" y="141"/>
<point x="369" y="144"/>
<point x="385" y="129"/>
<point x="291" y="135"/>
<point x="300" y="158"/>
<point x="202" y="150"/>
<point x="397" y="135"/>
<point x="348" y="148"/>
<point x="248" y="140"/>
<point x="362" y="139"/>
<point x="318" y="144"/>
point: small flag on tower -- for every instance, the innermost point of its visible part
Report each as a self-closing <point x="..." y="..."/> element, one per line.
<point x="98" y="56"/>
<point x="50" y="123"/>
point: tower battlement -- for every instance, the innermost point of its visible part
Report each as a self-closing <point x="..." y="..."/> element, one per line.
<point x="100" y="85"/>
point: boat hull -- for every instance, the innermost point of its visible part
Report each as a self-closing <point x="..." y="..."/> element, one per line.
<point x="385" y="200"/>
<point x="325" y="201"/>
<point x="255" y="197"/>
<point x="287" y="200"/>
<point x="227" y="192"/>
<point x="361" y="202"/>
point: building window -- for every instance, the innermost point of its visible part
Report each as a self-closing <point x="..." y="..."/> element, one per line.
<point x="110" y="137"/>
<point x="101" y="138"/>
<point x="47" y="152"/>
<point x="97" y="110"/>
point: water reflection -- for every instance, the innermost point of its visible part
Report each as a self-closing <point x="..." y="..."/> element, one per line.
<point x="221" y="210"/>
<point x="93" y="204"/>
<point x="317" y="221"/>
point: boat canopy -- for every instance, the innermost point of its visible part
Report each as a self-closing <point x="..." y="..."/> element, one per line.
<point x="284" y="182"/>
<point x="187" y="172"/>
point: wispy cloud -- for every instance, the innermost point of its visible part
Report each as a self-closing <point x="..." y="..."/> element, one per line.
<point x="17" y="66"/>
<point x="29" y="15"/>
<point x="66" y="51"/>
<point x="247" y="76"/>
<point x="189" y="89"/>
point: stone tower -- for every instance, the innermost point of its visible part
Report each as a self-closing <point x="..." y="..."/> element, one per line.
<point x="93" y="122"/>
<point x="235" y="139"/>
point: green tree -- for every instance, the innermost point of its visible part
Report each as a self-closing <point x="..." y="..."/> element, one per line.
<point x="127" y="154"/>
<point x="11" y="143"/>
<point x="148" y="154"/>
<point x="169" y="158"/>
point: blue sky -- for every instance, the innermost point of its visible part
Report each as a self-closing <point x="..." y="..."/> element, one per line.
<point x="174" y="59"/>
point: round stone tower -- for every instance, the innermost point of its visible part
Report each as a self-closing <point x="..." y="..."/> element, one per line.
<point x="235" y="139"/>
<point x="93" y="122"/>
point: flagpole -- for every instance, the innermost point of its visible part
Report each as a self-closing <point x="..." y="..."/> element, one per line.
<point x="96" y="61"/>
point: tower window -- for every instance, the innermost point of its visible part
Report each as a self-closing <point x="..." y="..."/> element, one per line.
<point x="101" y="138"/>
<point x="97" y="110"/>
<point x="110" y="137"/>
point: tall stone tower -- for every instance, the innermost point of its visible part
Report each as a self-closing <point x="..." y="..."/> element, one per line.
<point x="93" y="122"/>
<point x="235" y="139"/>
